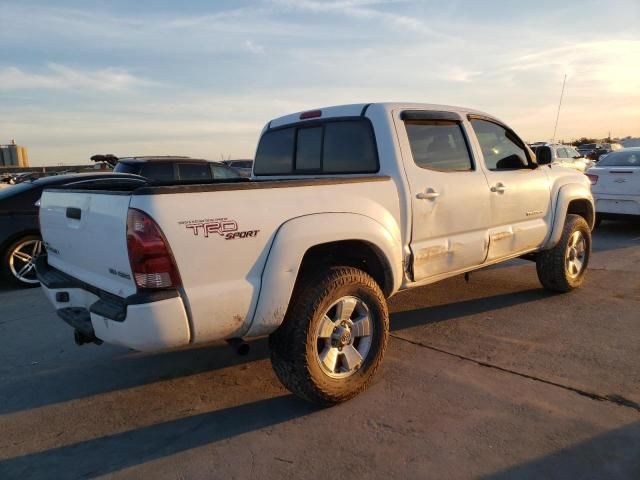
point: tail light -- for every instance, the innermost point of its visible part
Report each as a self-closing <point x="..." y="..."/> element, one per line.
<point x="592" y="178"/>
<point x="151" y="260"/>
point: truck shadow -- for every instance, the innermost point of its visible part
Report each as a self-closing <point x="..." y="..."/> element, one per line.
<point x="78" y="381"/>
<point x="111" y="453"/>
<point x="615" y="454"/>
<point x="448" y="311"/>
<point x="71" y="382"/>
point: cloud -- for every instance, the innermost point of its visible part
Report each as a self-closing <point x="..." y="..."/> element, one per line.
<point x="603" y="65"/>
<point x="362" y="10"/>
<point x="253" y="47"/>
<point x="61" y="77"/>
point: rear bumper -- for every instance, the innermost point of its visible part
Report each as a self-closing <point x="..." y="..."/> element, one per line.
<point x="150" y="321"/>
<point x="617" y="204"/>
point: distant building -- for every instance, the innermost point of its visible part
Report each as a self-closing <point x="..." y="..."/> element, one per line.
<point x="13" y="155"/>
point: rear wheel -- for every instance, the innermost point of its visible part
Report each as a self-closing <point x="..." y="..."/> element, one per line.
<point x="563" y="268"/>
<point x="333" y="338"/>
<point x="18" y="261"/>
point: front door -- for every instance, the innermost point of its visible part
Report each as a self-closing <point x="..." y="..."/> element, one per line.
<point x="449" y="194"/>
<point x="520" y="197"/>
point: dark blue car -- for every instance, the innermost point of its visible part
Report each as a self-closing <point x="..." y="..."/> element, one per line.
<point x="20" y="240"/>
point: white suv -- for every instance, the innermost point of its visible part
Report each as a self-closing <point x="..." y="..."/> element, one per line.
<point x="562" y="155"/>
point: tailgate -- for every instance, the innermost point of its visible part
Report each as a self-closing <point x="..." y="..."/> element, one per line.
<point x="618" y="181"/>
<point x="85" y="234"/>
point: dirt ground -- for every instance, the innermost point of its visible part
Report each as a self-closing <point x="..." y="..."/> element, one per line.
<point x="494" y="378"/>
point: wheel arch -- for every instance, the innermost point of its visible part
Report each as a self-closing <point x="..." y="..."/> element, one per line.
<point x="303" y="243"/>
<point x="571" y="199"/>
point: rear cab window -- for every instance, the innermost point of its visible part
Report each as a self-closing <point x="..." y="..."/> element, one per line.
<point x="332" y="146"/>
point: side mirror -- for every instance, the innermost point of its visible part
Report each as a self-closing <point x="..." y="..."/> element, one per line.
<point x="543" y="155"/>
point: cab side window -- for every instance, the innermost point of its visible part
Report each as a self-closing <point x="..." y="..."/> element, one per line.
<point x="500" y="148"/>
<point x="438" y="145"/>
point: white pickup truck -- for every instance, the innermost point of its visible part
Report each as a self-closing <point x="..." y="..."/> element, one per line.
<point x="346" y="206"/>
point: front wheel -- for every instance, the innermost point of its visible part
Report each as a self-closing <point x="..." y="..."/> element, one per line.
<point x="563" y="268"/>
<point x="18" y="261"/>
<point x="333" y="337"/>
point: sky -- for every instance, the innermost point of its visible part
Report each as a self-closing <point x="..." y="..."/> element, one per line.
<point x="201" y="78"/>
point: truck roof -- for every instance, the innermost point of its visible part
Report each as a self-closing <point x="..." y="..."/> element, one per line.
<point x="359" y="109"/>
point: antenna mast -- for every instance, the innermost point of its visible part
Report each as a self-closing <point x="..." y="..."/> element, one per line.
<point x="555" y="129"/>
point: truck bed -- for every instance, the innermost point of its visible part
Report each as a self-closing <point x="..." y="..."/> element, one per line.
<point x="220" y="234"/>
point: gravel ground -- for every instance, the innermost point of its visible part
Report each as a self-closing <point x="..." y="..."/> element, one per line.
<point x="492" y="378"/>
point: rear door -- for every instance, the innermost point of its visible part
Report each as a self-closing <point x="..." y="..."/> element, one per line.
<point x="520" y="196"/>
<point x="449" y="194"/>
<point x="85" y="235"/>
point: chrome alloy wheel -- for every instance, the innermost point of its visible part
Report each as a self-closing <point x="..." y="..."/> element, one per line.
<point x="344" y="337"/>
<point x="575" y="255"/>
<point x="22" y="261"/>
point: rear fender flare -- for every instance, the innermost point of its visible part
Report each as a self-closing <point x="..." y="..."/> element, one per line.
<point x="295" y="238"/>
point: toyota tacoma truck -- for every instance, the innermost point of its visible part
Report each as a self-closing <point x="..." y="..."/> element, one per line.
<point x="346" y="206"/>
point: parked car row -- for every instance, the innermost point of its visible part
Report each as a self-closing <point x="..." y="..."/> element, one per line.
<point x="15" y="178"/>
<point x="170" y="168"/>
<point x="244" y="167"/>
<point x="562" y="155"/>
<point x="614" y="173"/>
<point x="20" y="240"/>
<point x="594" y="151"/>
<point x="615" y="183"/>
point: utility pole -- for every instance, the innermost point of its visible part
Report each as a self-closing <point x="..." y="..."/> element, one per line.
<point x="555" y="129"/>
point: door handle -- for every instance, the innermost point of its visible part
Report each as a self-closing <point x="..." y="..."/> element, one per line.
<point x="430" y="194"/>
<point x="498" y="188"/>
<point x="74" y="213"/>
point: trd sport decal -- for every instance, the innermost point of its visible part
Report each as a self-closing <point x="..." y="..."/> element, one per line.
<point x="225" y="227"/>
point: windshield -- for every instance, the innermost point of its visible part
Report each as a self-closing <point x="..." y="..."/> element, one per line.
<point x="588" y="146"/>
<point x="123" y="167"/>
<point x="621" y="159"/>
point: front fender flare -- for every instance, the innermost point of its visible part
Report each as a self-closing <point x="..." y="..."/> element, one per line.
<point x="566" y="194"/>
<point x="292" y="241"/>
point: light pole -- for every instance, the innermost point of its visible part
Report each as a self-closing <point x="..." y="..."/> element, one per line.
<point x="555" y="129"/>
